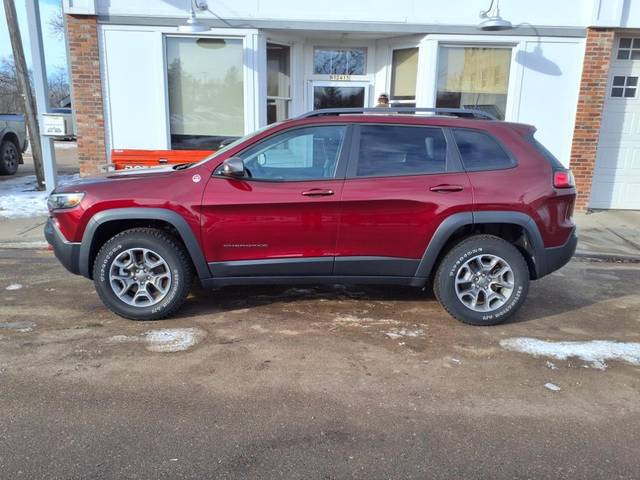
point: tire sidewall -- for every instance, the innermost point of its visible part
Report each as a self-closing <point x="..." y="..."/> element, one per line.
<point x="467" y="250"/>
<point x="109" y="253"/>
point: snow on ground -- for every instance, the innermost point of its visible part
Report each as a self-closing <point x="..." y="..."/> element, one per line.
<point x="552" y="386"/>
<point x="396" y="333"/>
<point x="21" y="327"/>
<point x="596" y="351"/>
<point x="14" y="286"/>
<point x="165" y="340"/>
<point x="19" y="197"/>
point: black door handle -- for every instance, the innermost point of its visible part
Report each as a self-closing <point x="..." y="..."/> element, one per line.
<point x="446" y="188"/>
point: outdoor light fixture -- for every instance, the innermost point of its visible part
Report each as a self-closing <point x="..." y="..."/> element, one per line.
<point x="492" y="21"/>
<point x="193" y="25"/>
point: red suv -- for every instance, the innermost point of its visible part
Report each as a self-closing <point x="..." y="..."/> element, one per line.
<point x="478" y="207"/>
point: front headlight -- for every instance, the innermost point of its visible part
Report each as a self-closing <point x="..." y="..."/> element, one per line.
<point x="58" y="201"/>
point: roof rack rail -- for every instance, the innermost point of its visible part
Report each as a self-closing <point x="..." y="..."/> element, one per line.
<point x="458" y="112"/>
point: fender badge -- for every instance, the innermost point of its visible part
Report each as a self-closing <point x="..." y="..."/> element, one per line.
<point x="196" y="178"/>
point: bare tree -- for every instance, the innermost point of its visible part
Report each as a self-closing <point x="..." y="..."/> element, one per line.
<point x="58" y="86"/>
<point x="56" y="24"/>
<point x="10" y="98"/>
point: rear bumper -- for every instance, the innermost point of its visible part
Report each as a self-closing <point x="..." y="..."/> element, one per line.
<point x="557" y="257"/>
<point x="68" y="253"/>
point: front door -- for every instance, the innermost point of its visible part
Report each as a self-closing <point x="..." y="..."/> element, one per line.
<point x="282" y="218"/>
<point x="400" y="185"/>
<point x="330" y="94"/>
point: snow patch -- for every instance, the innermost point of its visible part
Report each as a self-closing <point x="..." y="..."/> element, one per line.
<point x="21" y="199"/>
<point x="14" y="286"/>
<point x="22" y="327"/>
<point x="552" y="386"/>
<point x="595" y="352"/>
<point x="396" y="333"/>
<point x="167" y="340"/>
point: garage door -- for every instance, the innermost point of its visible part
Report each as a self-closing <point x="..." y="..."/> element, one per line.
<point x="616" y="180"/>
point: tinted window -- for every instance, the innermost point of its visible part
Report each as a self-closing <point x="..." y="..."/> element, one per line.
<point x="387" y="150"/>
<point x="308" y="153"/>
<point x="480" y="151"/>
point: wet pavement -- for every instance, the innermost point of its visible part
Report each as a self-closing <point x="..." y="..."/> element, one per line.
<point x="316" y="382"/>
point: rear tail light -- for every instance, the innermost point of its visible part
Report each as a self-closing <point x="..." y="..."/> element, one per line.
<point x="563" y="179"/>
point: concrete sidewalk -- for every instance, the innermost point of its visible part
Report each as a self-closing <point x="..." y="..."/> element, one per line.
<point x="610" y="234"/>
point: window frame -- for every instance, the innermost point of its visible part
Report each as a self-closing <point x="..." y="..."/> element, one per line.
<point x="289" y="98"/>
<point x="246" y="112"/>
<point x="341" y="164"/>
<point x="364" y="49"/>
<point x="404" y="101"/>
<point x="452" y="162"/>
<point x="453" y="43"/>
<point x="512" y="157"/>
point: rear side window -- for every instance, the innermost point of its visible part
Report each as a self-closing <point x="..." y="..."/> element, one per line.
<point x="480" y="151"/>
<point x="551" y="158"/>
<point x="387" y="150"/>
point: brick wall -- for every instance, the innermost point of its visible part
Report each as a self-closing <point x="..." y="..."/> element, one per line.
<point x="82" y="35"/>
<point x="593" y="90"/>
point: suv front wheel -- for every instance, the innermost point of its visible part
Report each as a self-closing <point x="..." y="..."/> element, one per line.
<point x="142" y="274"/>
<point x="483" y="280"/>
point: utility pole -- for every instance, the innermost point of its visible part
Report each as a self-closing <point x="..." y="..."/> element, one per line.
<point x="24" y="86"/>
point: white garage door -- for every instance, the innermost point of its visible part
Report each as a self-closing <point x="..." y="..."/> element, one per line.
<point x="616" y="180"/>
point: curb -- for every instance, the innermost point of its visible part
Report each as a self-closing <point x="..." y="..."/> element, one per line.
<point x="606" y="257"/>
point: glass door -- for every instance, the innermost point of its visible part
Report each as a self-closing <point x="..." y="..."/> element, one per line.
<point x="328" y="94"/>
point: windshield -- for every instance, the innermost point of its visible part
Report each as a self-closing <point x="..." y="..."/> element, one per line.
<point x="234" y="144"/>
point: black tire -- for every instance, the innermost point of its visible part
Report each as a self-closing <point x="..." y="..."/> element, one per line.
<point x="10" y="158"/>
<point x="453" y="264"/>
<point x="168" y="249"/>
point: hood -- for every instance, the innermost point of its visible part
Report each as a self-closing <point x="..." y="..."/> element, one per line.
<point x="77" y="184"/>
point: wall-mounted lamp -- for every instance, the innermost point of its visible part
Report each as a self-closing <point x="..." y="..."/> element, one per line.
<point x="492" y="21"/>
<point x="193" y="25"/>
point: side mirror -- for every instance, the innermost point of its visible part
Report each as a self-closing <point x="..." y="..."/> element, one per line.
<point x="233" y="167"/>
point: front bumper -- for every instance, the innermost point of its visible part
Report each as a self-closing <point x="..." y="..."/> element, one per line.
<point x="558" y="257"/>
<point x="68" y="253"/>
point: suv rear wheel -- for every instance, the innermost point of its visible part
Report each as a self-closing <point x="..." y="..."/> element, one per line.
<point x="483" y="280"/>
<point x="142" y="274"/>
<point x="9" y="158"/>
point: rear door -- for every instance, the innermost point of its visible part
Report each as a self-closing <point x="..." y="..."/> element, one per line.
<point x="402" y="182"/>
<point x="282" y="218"/>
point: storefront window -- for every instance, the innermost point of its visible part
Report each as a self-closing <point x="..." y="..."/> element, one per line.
<point x="404" y="71"/>
<point x="339" y="61"/>
<point x="278" y="82"/>
<point x="206" y="94"/>
<point x="474" y="77"/>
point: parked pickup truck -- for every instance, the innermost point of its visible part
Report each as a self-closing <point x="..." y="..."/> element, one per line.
<point x="13" y="142"/>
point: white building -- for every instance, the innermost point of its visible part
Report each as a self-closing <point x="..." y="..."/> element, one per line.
<point x="258" y="61"/>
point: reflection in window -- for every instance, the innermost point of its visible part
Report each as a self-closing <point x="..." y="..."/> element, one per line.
<point x="278" y="82"/>
<point x="308" y="153"/>
<point x="404" y="71"/>
<point x="474" y="77"/>
<point x="480" y="151"/>
<point x="338" y="97"/>
<point x="387" y="150"/>
<point x="206" y="94"/>
<point x="339" y="61"/>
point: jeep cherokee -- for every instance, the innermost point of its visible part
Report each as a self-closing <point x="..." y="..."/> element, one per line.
<point x="476" y="207"/>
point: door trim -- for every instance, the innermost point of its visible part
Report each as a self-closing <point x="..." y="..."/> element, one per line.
<point x="275" y="267"/>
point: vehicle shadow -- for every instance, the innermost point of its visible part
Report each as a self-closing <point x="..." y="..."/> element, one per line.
<point x="578" y="287"/>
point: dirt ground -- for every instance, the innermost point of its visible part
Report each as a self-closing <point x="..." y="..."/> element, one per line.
<point x="313" y="382"/>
